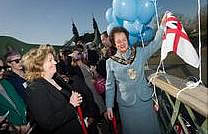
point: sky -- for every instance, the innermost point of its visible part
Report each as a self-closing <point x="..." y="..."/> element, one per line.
<point x="50" y="21"/>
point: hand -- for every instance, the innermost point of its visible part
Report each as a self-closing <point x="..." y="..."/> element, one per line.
<point x="163" y="21"/>
<point x="156" y="107"/>
<point x="105" y="115"/>
<point x="2" y="119"/>
<point x="109" y="113"/>
<point x="23" y="129"/>
<point x="92" y="68"/>
<point x="75" y="99"/>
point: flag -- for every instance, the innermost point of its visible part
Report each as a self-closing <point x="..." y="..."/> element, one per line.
<point x="176" y="39"/>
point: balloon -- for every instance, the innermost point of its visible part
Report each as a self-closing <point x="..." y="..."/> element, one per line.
<point x="125" y="9"/>
<point x="117" y="20"/>
<point x="145" y="11"/>
<point x="108" y="15"/>
<point x="133" y="27"/>
<point x="133" y="39"/>
<point x="110" y="27"/>
<point x="147" y="34"/>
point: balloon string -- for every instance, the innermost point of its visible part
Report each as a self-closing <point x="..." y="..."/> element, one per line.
<point x="158" y="26"/>
<point x="200" y="70"/>
<point x="147" y="64"/>
<point x="142" y="38"/>
<point x="155" y="4"/>
<point x="161" y="62"/>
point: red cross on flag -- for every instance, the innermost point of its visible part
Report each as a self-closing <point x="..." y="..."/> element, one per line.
<point x="175" y="39"/>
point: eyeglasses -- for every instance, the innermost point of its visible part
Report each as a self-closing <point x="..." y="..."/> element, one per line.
<point x="16" y="61"/>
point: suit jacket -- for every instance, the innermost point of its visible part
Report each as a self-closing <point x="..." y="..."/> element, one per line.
<point x="128" y="90"/>
<point x="50" y="109"/>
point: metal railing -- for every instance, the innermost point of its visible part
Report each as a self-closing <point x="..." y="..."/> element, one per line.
<point x="181" y="110"/>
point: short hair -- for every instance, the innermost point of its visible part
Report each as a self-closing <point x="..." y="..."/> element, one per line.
<point x="34" y="59"/>
<point x="117" y="30"/>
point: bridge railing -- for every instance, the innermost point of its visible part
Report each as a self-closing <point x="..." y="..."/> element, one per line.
<point x="182" y="110"/>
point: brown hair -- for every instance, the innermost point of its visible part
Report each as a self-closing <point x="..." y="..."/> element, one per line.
<point x="105" y="34"/>
<point x="117" y="30"/>
<point x="34" y="59"/>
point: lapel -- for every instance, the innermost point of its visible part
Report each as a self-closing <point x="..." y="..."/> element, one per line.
<point x="53" y="91"/>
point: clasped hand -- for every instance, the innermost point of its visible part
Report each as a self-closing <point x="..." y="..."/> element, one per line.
<point x="75" y="99"/>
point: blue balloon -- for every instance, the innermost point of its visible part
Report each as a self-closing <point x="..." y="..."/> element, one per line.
<point x="147" y="34"/>
<point x="108" y="15"/>
<point x="145" y="11"/>
<point x="125" y="9"/>
<point x="117" y="20"/>
<point x="133" y="27"/>
<point x="133" y="39"/>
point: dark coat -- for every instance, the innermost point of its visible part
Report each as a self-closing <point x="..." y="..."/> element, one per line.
<point x="18" y="82"/>
<point x="88" y="106"/>
<point x="51" y="110"/>
<point x="78" y="84"/>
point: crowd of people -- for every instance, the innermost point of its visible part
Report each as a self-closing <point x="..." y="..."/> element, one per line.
<point x="43" y="92"/>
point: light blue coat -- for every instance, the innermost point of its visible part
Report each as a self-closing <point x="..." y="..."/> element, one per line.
<point x="133" y="95"/>
<point x="127" y="89"/>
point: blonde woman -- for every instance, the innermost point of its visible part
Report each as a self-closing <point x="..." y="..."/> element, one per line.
<point x="53" y="111"/>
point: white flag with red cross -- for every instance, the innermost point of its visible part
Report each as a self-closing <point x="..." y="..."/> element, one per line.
<point x="175" y="39"/>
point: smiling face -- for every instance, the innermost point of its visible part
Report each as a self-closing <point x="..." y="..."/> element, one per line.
<point x="49" y="66"/>
<point x="121" y="42"/>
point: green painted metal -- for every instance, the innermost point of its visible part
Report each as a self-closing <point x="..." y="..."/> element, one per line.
<point x="173" y="112"/>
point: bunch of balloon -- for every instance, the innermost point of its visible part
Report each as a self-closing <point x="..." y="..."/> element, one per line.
<point x="134" y="15"/>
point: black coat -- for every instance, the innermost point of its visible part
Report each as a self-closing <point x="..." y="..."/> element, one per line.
<point x="51" y="110"/>
<point x="78" y="84"/>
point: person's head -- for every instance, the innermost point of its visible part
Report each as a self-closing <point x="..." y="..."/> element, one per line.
<point x="76" y="56"/>
<point x="105" y="39"/>
<point x="119" y="38"/>
<point x="79" y="42"/>
<point x="13" y="59"/>
<point x="39" y="62"/>
<point x="90" y="45"/>
<point x="2" y="69"/>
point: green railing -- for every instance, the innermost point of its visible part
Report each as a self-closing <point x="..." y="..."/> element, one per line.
<point x="181" y="110"/>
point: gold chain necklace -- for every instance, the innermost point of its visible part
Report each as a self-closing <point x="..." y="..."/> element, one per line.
<point x="131" y="71"/>
<point x="124" y="61"/>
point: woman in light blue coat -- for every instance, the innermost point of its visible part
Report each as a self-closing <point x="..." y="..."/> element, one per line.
<point x="126" y="70"/>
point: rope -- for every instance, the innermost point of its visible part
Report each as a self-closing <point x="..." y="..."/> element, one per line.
<point x="155" y="75"/>
<point x="147" y="65"/>
<point x="200" y="70"/>
<point x="189" y="85"/>
<point x="155" y="4"/>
